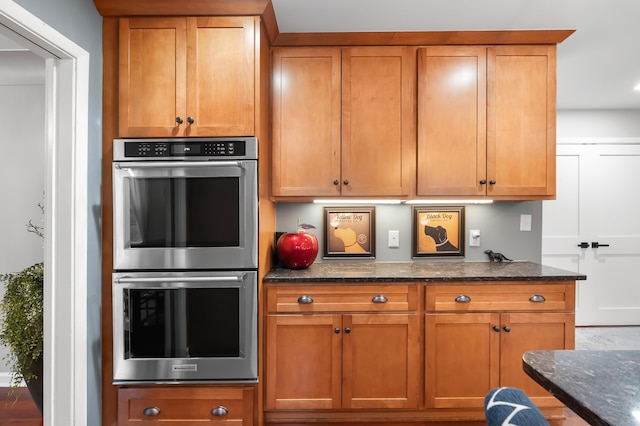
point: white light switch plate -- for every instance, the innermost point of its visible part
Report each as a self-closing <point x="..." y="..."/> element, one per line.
<point x="394" y="239"/>
<point x="474" y="238"/>
<point x="525" y="222"/>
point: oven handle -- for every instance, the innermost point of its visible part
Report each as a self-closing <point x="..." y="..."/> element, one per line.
<point x="181" y="164"/>
<point x="125" y="279"/>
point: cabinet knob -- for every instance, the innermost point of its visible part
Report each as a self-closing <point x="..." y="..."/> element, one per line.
<point x="380" y="298"/>
<point x="219" y="411"/>
<point x="336" y="182"/>
<point x="151" y="411"/>
<point x="305" y="300"/>
<point x="463" y="298"/>
<point x="483" y="182"/>
<point x="190" y="120"/>
<point x="336" y="330"/>
<point x="492" y="181"/>
<point x="347" y="330"/>
<point x="537" y="298"/>
<point x="346" y="181"/>
<point x="496" y="329"/>
<point x="179" y="120"/>
<point x="506" y="328"/>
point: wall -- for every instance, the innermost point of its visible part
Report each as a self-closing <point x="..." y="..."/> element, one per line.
<point x="79" y="21"/>
<point x="21" y="165"/>
<point x="598" y="124"/>
<point x="499" y="225"/>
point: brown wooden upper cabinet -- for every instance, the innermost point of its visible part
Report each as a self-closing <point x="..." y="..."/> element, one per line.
<point x="486" y="121"/>
<point x="343" y="122"/>
<point x="191" y="76"/>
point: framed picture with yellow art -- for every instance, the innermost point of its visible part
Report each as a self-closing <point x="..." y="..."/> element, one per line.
<point x="349" y="232"/>
<point x="438" y="231"/>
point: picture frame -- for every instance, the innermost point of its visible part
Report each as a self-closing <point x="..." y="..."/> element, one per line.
<point x="349" y="232"/>
<point x="438" y="231"/>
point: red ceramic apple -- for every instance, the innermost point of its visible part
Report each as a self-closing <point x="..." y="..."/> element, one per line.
<point x="297" y="250"/>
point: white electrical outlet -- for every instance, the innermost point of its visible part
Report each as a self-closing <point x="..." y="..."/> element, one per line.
<point x="394" y="239"/>
<point x="525" y="222"/>
<point x="474" y="238"/>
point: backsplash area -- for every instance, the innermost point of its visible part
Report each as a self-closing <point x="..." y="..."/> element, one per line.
<point x="498" y="223"/>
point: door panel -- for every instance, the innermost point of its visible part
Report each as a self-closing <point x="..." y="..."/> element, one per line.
<point x="596" y="203"/>
<point x="303" y="362"/>
<point x="452" y="120"/>
<point x="552" y="331"/>
<point x="374" y="375"/>
<point x="462" y="358"/>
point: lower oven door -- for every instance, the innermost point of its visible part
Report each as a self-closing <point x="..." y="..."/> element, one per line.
<point x="190" y="326"/>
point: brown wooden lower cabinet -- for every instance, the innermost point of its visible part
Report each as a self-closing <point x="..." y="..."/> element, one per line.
<point x="185" y="405"/>
<point x="332" y="356"/>
<point x="476" y="334"/>
<point x="345" y="348"/>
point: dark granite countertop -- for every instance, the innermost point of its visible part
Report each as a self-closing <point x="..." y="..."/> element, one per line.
<point x="602" y="387"/>
<point x="421" y="271"/>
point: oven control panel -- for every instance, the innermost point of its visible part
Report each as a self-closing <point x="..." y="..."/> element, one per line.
<point x="181" y="148"/>
<point x="184" y="149"/>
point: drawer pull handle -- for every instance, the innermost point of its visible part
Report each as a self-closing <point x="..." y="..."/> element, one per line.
<point x="463" y="298"/>
<point x="219" y="411"/>
<point x="537" y="298"/>
<point x="151" y="411"/>
<point x="305" y="300"/>
<point x="380" y="298"/>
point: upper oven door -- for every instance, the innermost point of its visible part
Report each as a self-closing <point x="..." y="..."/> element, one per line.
<point x="185" y="215"/>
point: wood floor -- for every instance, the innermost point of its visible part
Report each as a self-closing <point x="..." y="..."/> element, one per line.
<point x="18" y="410"/>
<point x="23" y="411"/>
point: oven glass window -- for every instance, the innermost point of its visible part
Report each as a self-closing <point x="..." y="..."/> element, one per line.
<point x="184" y="212"/>
<point x="182" y="323"/>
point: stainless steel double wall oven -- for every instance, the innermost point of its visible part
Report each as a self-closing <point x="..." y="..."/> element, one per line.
<point x="185" y="215"/>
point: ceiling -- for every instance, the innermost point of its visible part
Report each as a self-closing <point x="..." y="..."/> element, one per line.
<point x="598" y="65"/>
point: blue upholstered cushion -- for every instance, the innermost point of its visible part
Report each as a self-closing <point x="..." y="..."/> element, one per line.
<point x="511" y="407"/>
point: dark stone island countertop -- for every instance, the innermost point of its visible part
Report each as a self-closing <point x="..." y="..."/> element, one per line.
<point x="421" y="271"/>
<point x="602" y="387"/>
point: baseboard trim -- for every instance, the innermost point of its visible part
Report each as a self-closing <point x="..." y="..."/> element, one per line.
<point x="5" y="380"/>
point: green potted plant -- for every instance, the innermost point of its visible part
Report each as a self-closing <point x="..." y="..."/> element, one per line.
<point x="21" y="324"/>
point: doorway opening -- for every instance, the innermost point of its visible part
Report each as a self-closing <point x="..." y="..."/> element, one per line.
<point x="66" y="142"/>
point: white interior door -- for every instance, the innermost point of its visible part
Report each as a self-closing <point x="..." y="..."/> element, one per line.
<point x="597" y="202"/>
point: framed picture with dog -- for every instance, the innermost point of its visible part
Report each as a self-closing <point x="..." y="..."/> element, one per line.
<point x="438" y="231"/>
<point x="349" y="232"/>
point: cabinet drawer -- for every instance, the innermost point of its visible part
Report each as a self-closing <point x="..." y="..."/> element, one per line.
<point x="327" y="298"/>
<point x="185" y="405"/>
<point x="503" y="297"/>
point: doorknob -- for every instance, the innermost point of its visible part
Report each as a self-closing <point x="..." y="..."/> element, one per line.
<point x="597" y="244"/>
<point x="583" y="245"/>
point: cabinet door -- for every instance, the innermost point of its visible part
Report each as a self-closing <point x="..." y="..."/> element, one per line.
<point x="185" y="406"/>
<point x="221" y="76"/>
<point x="462" y="359"/>
<point x="378" y="121"/>
<point x="521" y="125"/>
<point x="306" y="122"/>
<point x="381" y="359"/>
<point x="152" y="76"/>
<point x="528" y="332"/>
<point x="303" y="362"/>
<point x="452" y="121"/>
